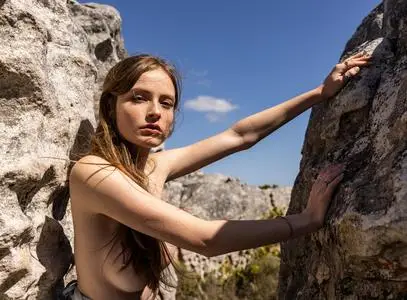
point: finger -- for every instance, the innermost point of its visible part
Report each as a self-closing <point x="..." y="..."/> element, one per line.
<point x="365" y="59"/>
<point x="352" y="72"/>
<point x="333" y="174"/>
<point x="356" y="63"/>
<point x="357" y="55"/>
<point x="333" y="167"/>
<point x="334" y="183"/>
<point x="328" y="169"/>
<point x="360" y="55"/>
<point x="345" y="66"/>
<point x="329" y="173"/>
<point x="334" y="170"/>
<point x="367" y="56"/>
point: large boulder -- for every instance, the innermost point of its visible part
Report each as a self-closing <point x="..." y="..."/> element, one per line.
<point x="361" y="253"/>
<point x="53" y="57"/>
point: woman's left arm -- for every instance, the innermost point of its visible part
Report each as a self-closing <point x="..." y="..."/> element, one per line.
<point x="248" y="131"/>
<point x="259" y="125"/>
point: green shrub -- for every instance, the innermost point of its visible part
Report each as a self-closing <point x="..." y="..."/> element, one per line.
<point x="272" y="213"/>
<point x="257" y="281"/>
<point x="267" y="186"/>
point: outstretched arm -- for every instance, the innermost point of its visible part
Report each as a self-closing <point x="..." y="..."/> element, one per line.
<point x="249" y="131"/>
<point x="108" y="191"/>
<point x="255" y="127"/>
<point x="258" y="126"/>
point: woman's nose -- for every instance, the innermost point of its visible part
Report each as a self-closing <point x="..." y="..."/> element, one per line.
<point x="154" y="111"/>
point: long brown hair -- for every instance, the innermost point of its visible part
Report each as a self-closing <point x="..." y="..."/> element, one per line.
<point x="144" y="253"/>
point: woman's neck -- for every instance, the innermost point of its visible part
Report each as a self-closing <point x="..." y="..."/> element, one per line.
<point x="140" y="157"/>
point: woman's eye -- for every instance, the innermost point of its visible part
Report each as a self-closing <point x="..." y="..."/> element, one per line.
<point x="138" y="97"/>
<point x="167" y="104"/>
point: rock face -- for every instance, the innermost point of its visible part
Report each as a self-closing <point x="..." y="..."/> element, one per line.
<point x="53" y="57"/>
<point x="214" y="197"/>
<point x="361" y="253"/>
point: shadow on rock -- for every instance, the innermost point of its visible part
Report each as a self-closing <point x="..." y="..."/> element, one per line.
<point x="55" y="253"/>
<point x="60" y="196"/>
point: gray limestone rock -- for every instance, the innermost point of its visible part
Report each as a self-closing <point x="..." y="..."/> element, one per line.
<point x="216" y="196"/>
<point x="361" y="252"/>
<point x="53" y="57"/>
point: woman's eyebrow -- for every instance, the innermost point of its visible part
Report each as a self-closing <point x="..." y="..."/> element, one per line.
<point x="168" y="96"/>
<point x="141" y="90"/>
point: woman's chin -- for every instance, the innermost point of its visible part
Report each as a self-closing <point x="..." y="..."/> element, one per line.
<point x="150" y="143"/>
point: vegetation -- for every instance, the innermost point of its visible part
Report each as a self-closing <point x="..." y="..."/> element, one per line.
<point x="272" y="213"/>
<point x="258" y="280"/>
<point x="267" y="186"/>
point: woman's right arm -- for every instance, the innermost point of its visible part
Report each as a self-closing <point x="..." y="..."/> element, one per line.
<point x="106" y="190"/>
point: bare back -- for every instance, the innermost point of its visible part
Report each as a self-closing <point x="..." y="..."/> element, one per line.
<point x="95" y="255"/>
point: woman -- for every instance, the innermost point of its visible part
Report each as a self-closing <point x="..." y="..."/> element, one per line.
<point x="123" y="231"/>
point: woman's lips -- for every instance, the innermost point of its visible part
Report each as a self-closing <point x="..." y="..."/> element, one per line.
<point x="150" y="130"/>
<point x="151" y="126"/>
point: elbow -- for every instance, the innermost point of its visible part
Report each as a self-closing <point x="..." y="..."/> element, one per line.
<point x="249" y="140"/>
<point x="209" y="242"/>
<point x="245" y="139"/>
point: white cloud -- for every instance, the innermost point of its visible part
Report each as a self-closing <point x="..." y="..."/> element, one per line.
<point x="210" y="104"/>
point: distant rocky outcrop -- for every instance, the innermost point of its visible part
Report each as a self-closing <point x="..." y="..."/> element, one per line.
<point x="216" y="196"/>
<point x="53" y="58"/>
<point x="361" y="253"/>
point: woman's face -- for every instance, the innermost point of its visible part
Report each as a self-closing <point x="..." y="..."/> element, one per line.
<point x="145" y="114"/>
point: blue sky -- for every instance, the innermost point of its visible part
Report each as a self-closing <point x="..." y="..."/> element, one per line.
<point x="242" y="57"/>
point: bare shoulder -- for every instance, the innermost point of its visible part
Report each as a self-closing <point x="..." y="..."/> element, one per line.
<point x="97" y="180"/>
<point x="86" y="175"/>
<point x="88" y="163"/>
<point x="88" y="169"/>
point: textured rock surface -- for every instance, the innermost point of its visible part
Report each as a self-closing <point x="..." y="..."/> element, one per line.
<point x="215" y="196"/>
<point x="361" y="253"/>
<point x="53" y="56"/>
